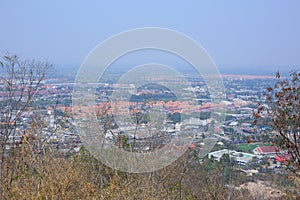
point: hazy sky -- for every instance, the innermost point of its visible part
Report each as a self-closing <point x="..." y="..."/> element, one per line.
<point x="254" y="34"/>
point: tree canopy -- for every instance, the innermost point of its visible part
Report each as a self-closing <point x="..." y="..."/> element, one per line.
<point x="282" y="111"/>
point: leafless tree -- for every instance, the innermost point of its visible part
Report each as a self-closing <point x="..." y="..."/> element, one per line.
<point x="20" y="80"/>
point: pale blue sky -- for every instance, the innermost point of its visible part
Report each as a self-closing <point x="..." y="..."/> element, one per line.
<point x="239" y="35"/>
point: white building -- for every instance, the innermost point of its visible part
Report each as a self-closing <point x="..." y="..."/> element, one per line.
<point x="240" y="158"/>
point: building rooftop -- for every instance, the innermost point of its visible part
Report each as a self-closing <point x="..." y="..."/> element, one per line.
<point x="267" y="150"/>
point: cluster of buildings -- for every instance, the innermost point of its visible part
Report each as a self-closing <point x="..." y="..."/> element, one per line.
<point x="273" y="154"/>
<point x="54" y="99"/>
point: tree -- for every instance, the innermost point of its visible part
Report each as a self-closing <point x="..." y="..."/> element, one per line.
<point x="282" y="110"/>
<point x="20" y="81"/>
<point x="227" y="167"/>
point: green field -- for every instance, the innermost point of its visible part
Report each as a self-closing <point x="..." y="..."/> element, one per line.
<point x="250" y="147"/>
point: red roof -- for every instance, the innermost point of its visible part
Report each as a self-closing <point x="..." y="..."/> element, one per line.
<point x="192" y="146"/>
<point x="279" y="159"/>
<point x="268" y="149"/>
<point x="283" y="158"/>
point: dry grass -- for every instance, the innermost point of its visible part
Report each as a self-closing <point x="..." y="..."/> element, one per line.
<point x="30" y="174"/>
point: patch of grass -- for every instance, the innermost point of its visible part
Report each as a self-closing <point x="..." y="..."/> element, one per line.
<point x="250" y="147"/>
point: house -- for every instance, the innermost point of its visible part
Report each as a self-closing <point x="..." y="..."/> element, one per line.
<point x="234" y="123"/>
<point x="267" y="151"/>
<point x="283" y="158"/>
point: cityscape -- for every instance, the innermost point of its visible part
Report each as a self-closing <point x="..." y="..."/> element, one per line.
<point x="250" y="146"/>
<point x="150" y="100"/>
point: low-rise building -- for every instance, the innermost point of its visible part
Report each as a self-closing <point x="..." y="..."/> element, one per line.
<point x="269" y="151"/>
<point x="239" y="158"/>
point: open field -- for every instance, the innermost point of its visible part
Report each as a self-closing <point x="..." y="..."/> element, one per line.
<point x="250" y="147"/>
